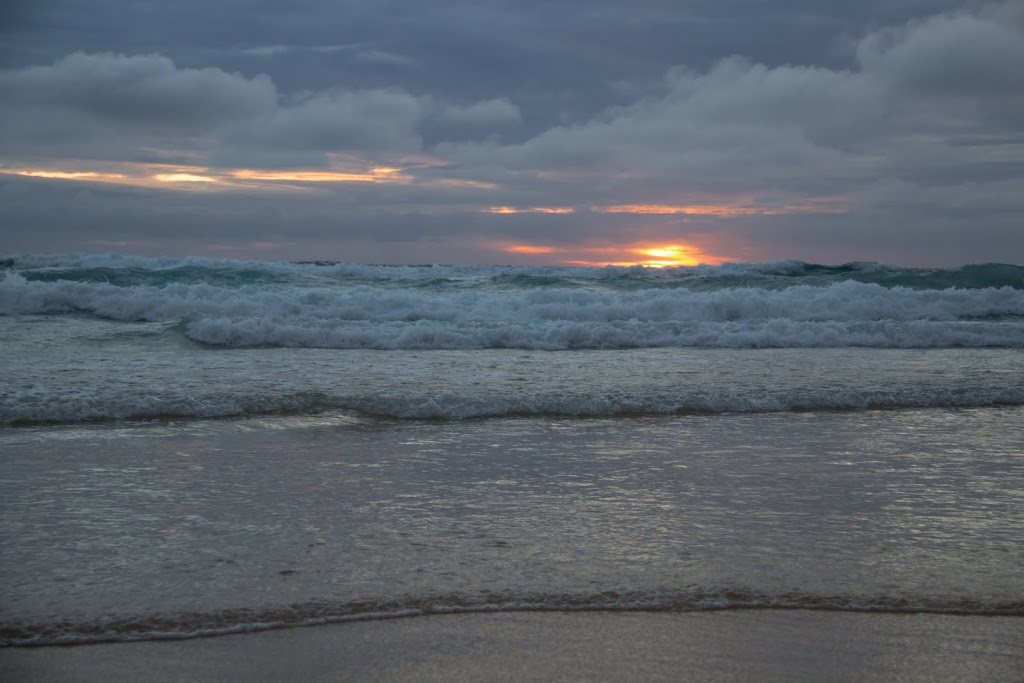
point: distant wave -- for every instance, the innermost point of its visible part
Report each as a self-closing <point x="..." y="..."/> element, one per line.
<point x="841" y="313"/>
<point x="243" y="620"/>
<point x="124" y="269"/>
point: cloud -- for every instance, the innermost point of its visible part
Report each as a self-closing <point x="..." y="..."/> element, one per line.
<point x="908" y="104"/>
<point x="339" y="120"/>
<point x="278" y="50"/>
<point x="113" y="106"/>
<point x="737" y="124"/>
<point x="382" y="57"/>
<point x="948" y="55"/>
<point x="117" y="106"/>
<point x="494" y="111"/>
<point x="143" y="91"/>
<point x="902" y="131"/>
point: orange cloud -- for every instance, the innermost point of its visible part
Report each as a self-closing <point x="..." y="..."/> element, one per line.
<point x="184" y="178"/>
<point x="196" y="178"/>
<point x="689" y="210"/>
<point x="126" y="173"/>
<point x="383" y="174"/>
<point x="458" y="183"/>
<point x="93" y="176"/>
<point x="741" y="207"/>
<point x="202" y="179"/>
<point x="529" y="249"/>
<point x="531" y="209"/>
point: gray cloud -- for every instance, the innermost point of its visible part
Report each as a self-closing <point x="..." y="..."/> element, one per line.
<point x="381" y="57"/>
<point x="908" y="107"/>
<point x="143" y="90"/>
<point x="498" y="110"/>
<point x="339" y="120"/>
<point x="85" y="103"/>
<point x="561" y="54"/>
<point x="963" y="55"/>
<point x="906" y="115"/>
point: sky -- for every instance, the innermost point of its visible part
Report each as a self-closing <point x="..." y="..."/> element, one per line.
<point x="656" y="132"/>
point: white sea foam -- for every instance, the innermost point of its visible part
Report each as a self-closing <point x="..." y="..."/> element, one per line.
<point x="845" y="313"/>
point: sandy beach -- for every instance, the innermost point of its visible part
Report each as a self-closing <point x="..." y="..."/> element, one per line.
<point x="762" y="645"/>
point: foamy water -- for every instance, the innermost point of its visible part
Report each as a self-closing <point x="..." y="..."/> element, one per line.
<point x="551" y="309"/>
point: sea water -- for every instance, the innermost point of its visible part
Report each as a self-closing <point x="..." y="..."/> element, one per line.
<point x="196" y="446"/>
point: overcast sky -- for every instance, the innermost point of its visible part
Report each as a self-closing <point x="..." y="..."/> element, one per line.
<point x="557" y="131"/>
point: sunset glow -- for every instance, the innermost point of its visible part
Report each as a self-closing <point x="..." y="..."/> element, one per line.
<point x="739" y="207"/>
<point x="651" y="256"/>
<point x="666" y="210"/>
<point x="674" y="255"/>
<point x="532" y="209"/>
<point x="126" y="173"/>
<point x="457" y="183"/>
<point x="374" y="175"/>
<point x="196" y="178"/>
<point x="67" y="175"/>
<point x="184" y="178"/>
<point x="528" y="249"/>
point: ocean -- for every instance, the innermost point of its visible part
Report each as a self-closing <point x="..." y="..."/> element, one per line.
<point x="194" y="446"/>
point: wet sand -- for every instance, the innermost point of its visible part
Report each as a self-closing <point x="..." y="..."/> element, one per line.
<point x="762" y="645"/>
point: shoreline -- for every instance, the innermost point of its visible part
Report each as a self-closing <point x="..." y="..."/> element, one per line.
<point x="716" y="645"/>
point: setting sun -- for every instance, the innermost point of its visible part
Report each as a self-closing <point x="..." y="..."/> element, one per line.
<point x="644" y="254"/>
<point x="673" y="255"/>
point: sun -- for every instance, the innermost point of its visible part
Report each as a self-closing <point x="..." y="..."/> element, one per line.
<point x="670" y="255"/>
<point x="647" y="254"/>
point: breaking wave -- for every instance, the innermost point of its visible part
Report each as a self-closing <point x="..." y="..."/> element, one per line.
<point x="440" y="316"/>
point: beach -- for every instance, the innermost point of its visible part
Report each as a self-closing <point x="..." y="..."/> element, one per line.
<point x="736" y="645"/>
<point x="497" y="341"/>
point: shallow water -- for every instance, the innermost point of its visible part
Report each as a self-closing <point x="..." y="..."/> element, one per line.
<point x="136" y="530"/>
